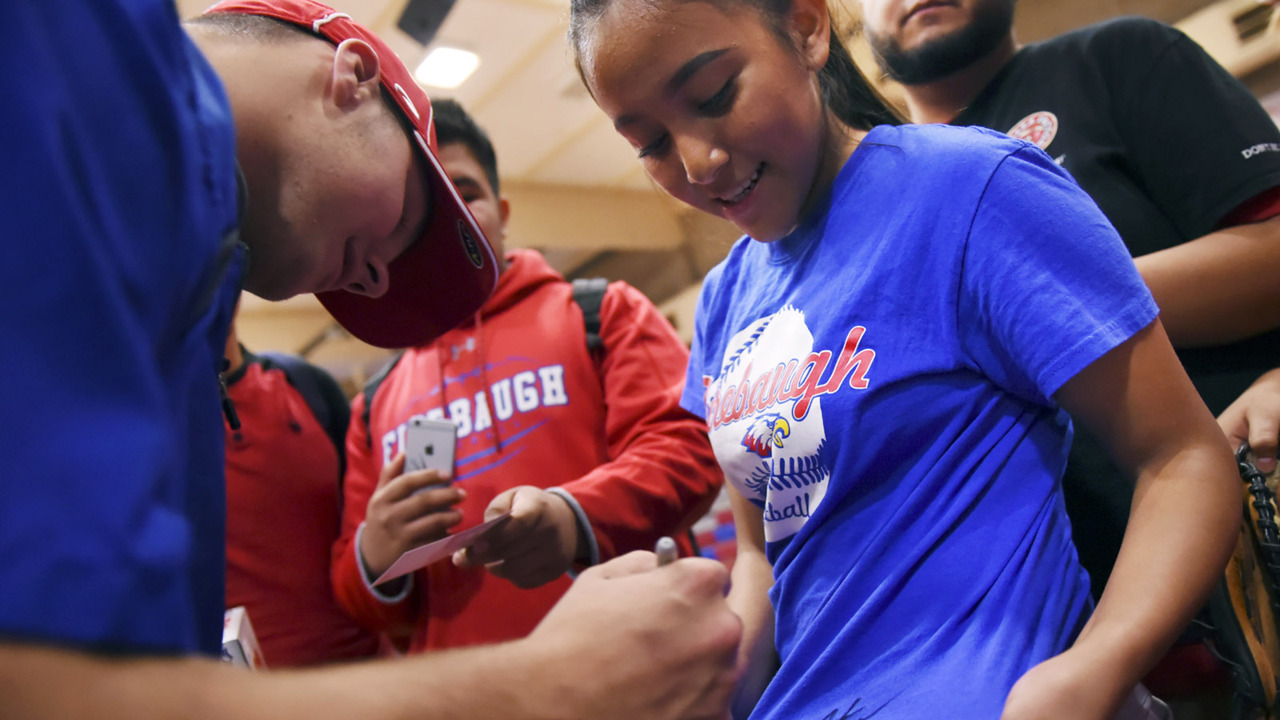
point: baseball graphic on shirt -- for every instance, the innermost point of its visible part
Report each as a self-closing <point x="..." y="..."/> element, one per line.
<point x="765" y="450"/>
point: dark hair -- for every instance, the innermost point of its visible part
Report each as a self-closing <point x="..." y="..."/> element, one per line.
<point x="454" y="125"/>
<point x="845" y="90"/>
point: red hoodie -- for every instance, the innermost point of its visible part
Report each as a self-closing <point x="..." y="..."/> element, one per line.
<point x="533" y="408"/>
<point x="282" y="518"/>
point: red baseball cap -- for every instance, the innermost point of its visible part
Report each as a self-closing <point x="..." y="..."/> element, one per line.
<point x="444" y="277"/>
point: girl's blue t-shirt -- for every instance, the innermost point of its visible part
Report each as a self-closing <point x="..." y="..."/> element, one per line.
<point x="880" y="383"/>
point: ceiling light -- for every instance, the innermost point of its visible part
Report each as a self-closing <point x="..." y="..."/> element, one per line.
<point x="446" y="67"/>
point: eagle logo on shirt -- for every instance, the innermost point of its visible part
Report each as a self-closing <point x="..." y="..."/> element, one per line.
<point x="766" y="433"/>
<point x="764" y="411"/>
<point x="1038" y="128"/>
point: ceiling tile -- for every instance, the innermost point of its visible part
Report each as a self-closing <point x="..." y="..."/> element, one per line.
<point x="536" y="112"/>
<point x="502" y="32"/>
<point x="598" y="155"/>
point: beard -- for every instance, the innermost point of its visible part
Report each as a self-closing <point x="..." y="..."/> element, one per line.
<point x="940" y="57"/>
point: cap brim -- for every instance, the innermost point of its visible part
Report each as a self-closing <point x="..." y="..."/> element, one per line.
<point x="439" y="282"/>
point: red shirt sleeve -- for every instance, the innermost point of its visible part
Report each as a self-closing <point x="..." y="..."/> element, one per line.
<point x="1263" y="206"/>
<point x="349" y="586"/>
<point x="662" y="475"/>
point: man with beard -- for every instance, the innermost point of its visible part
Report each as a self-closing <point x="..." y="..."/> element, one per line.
<point x="1179" y="156"/>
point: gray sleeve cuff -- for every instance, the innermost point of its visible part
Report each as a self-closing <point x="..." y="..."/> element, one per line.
<point x="584" y="526"/>
<point x="368" y="578"/>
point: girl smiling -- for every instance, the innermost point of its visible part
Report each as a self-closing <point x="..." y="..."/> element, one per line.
<point x="884" y="362"/>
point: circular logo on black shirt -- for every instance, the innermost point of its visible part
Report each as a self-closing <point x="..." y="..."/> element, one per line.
<point x="1038" y="128"/>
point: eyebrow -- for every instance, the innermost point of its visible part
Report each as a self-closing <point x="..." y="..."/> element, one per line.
<point x="678" y="80"/>
<point x="464" y="182"/>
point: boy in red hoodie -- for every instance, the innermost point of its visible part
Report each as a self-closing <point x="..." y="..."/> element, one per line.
<point x="589" y="450"/>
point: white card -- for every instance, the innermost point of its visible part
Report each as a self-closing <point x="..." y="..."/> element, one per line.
<point x="424" y="555"/>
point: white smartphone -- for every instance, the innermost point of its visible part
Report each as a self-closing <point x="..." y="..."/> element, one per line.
<point x="429" y="445"/>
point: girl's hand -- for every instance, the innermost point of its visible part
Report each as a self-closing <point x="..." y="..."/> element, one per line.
<point x="1065" y="686"/>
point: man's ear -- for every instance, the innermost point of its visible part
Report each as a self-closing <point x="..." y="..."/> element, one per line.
<point x="356" y="74"/>
<point x="811" y="31"/>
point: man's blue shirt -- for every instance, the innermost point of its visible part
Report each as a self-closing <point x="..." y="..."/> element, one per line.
<point x="119" y="270"/>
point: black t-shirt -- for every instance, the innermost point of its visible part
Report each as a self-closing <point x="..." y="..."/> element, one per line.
<point x="1167" y="143"/>
<point x="1164" y="139"/>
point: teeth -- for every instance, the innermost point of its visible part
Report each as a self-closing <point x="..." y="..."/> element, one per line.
<point x="744" y="189"/>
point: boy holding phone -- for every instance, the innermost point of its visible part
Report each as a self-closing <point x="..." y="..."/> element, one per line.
<point x="588" y="450"/>
<point x="418" y="508"/>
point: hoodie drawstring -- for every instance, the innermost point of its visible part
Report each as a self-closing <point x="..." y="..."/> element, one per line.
<point x="494" y="432"/>
<point x="442" y="347"/>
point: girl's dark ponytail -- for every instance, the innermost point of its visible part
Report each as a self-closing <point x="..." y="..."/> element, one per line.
<point x="849" y="94"/>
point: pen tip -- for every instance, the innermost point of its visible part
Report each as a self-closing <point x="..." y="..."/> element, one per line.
<point x="665" y="549"/>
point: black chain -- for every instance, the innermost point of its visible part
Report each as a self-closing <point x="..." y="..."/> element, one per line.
<point x="1268" y="532"/>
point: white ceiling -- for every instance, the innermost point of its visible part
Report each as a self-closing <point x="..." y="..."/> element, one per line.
<point x="545" y="127"/>
<point x="551" y="139"/>
<point x="525" y="93"/>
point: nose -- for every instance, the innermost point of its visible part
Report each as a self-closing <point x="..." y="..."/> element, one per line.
<point x="374" y="281"/>
<point x="702" y="160"/>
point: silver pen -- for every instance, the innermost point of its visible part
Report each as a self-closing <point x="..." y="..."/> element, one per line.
<point x="666" y="551"/>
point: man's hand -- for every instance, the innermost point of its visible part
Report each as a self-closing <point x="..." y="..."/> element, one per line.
<point x="535" y="545"/>
<point x="406" y="511"/>
<point x="657" y="643"/>
<point x="1255" y="417"/>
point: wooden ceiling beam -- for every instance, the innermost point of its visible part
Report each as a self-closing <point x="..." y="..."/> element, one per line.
<point x="581" y="218"/>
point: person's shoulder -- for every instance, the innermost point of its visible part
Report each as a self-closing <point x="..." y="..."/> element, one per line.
<point x="1127" y="34"/>
<point x="959" y="162"/>
<point x="291" y="364"/>
<point x="400" y="364"/>
<point x="936" y="146"/>
<point x="621" y="293"/>
<point x="726" y="269"/>
<point x="744" y="250"/>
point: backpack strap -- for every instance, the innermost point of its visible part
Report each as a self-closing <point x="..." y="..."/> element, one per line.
<point x="371" y="390"/>
<point x="589" y="294"/>
<point x="323" y="395"/>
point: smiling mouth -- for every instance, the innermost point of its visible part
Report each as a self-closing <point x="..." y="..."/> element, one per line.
<point x="742" y="192"/>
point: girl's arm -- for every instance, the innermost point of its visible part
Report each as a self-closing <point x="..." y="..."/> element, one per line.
<point x="1182" y="527"/>
<point x="752" y="578"/>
